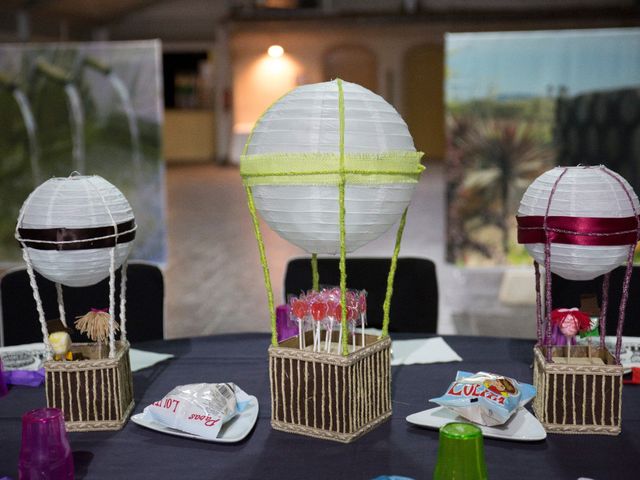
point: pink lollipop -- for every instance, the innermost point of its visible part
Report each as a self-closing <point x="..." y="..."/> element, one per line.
<point x="569" y="326"/>
<point x="351" y="298"/>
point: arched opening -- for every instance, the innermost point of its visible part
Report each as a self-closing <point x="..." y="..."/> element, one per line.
<point x="423" y="94"/>
<point x="353" y="63"/>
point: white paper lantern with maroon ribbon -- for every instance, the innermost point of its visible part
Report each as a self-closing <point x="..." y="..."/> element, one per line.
<point x="77" y="231"/>
<point x="579" y="222"/>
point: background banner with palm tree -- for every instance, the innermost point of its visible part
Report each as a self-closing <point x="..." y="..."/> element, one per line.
<point x="519" y="103"/>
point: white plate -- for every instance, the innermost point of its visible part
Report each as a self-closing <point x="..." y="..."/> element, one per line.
<point x="233" y="431"/>
<point x="522" y="427"/>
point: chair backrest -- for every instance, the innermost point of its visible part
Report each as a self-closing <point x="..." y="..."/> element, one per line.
<point x="568" y="293"/>
<point x="145" y="304"/>
<point x="414" y="305"/>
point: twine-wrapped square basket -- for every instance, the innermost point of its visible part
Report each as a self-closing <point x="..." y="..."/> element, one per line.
<point x="575" y="398"/>
<point x="330" y="396"/>
<point x="94" y="394"/>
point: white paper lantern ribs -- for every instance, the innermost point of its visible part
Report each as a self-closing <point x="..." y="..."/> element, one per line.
<point x="293" y="157"/>
<point x="76" y="231"/>
<point x="580" y="223"/>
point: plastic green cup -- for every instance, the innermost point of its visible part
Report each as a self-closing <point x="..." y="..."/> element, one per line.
<point x="460" y="453"/>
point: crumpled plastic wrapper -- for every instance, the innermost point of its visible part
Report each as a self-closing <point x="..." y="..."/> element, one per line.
<point x="199" y="408"/>
<point x="485" y="398"/>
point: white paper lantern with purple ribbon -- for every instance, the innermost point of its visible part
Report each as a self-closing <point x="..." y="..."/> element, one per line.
<point x="591" y="219"/>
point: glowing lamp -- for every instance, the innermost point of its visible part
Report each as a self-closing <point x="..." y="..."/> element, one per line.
<point x="275" y="51"/>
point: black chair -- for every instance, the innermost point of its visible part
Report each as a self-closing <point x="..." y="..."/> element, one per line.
<point x="567" y="293"/>
<point x="414" y="305"/>
<point x="145" y="304"/>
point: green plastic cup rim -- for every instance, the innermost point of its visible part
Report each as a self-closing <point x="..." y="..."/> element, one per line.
<point x="460" y="431"/>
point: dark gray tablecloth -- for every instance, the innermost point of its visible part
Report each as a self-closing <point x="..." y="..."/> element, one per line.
<point x="394" y="448"/>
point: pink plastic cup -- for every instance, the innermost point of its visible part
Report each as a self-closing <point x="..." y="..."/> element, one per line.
<point x="3" y="382"/>
<point x="45" y="452"/>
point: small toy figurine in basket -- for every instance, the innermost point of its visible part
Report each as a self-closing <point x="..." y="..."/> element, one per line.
<point x="330" y="167"/>
<point x="75" y="232"/>
<point x="579" y="223"/>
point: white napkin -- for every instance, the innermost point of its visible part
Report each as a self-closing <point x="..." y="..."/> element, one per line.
<point x="142" y="359"/>
<point x="422" y="350"/>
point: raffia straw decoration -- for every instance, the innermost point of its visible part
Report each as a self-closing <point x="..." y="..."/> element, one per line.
<point x="95" y="324"/>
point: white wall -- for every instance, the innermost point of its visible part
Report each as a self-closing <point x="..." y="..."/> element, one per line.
<point x="255" y="87"/>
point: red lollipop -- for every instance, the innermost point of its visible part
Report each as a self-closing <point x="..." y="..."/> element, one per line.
<point x="319" y="311"/>
<point x="299" y="308"/>
<point x="362" y="302"/>
<point x="332" y="308"/>
<point x="338" y="312"/>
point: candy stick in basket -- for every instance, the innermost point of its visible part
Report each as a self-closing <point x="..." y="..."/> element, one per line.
<point x="339" y="319"/>
<point x="362" y="309"/>
<point x="300" y="309"/>
<point x="318" y="313"/>
<point x="334" y="311"/>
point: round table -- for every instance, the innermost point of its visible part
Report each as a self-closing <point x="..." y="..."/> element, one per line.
<point x="395" y="448"/>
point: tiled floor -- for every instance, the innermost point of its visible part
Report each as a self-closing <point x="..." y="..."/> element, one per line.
<point x="214" y="280"/>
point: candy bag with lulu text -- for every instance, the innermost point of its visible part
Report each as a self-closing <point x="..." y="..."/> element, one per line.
<point x="485" y="398"/>
<point x="199" y="408"/>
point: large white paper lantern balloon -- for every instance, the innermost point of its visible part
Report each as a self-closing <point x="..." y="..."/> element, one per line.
<point x="69" y="226"/>
<point x="293" y="157"/>
<point x="591" y="220"/>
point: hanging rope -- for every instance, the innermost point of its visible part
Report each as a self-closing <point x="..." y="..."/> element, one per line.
<point x="386" y="306"/>
<point x="63" y="317"/>
<point x="547" y="266"/>
<point x="123" y="302"/>
<point x="265" y="266"/>
<point x="603" y="308"/>
<point x="315" y="276"/>
<point x="112" y="302"/>
<point x="39" y="308"/>
<point x="343" y="233"/>
<point x="536" y="267"/>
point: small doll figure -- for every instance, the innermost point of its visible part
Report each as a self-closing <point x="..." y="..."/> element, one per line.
<point x="61" y="344"/>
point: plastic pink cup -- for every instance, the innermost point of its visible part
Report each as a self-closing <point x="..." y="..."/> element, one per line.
<point x="45" y="452"/>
